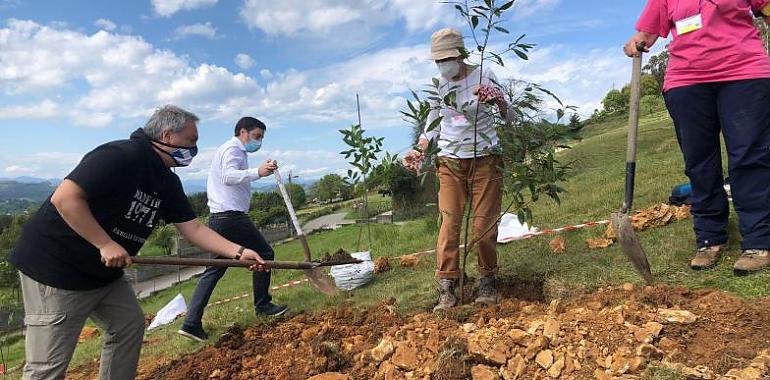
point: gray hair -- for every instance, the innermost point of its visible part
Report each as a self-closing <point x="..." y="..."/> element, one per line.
<point x="168" y="118"/>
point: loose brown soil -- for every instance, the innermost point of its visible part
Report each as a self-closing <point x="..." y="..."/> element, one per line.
<point x="612" y="332"/>
<point x="341" y="256"/>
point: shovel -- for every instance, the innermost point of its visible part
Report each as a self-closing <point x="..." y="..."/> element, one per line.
<point x="621" y="221"/>
<point x="192" y="262"/>
<point x="316" y="275"/>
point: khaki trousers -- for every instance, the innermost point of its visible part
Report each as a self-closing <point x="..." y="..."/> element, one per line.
<point x="54" y="318"/>
<point x="481" y="179"/>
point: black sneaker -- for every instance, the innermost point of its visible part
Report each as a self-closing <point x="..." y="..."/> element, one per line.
<point x="272" y="310"/>
<point x="197" y="335"/>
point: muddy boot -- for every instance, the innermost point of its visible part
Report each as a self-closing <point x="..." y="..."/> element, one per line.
<point x="752" y="260"/>
<point x="487" y="290"/>
<point x="446" y="294"/>
<point x="707" y="257"/>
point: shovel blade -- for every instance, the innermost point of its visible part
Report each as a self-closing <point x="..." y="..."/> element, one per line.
<point x="629" y="243"/>
<point x="321" y="281"/>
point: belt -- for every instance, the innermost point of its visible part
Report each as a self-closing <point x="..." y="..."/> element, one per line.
<point x="228" y="213"/>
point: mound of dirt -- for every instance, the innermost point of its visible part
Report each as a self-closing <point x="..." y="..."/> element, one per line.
<point x="612" y="333"/>
<point x="340" y="256"/>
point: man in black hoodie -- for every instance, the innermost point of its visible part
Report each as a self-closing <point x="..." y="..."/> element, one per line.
<point x="71" y="252"/>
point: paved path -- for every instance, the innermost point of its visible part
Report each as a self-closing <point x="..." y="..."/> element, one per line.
<point x="146" y="288"/>
<point x="326" y="220"/>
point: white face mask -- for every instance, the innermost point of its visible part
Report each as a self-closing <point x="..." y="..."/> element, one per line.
<point x="449" y="69"/>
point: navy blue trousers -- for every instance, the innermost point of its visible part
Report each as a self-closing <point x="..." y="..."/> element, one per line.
<point x="238" y="228"/>
<point x="740" y="110"/>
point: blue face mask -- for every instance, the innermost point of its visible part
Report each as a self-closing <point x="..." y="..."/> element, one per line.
<point x="253" y="145"/>
<point x="183" y="156"/>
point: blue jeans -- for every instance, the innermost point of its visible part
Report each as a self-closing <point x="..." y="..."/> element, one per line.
<point x="238" y="228"/>
<point x="740" y="110"/>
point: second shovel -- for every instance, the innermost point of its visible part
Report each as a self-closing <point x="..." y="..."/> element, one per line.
<point x="317" y="276"/>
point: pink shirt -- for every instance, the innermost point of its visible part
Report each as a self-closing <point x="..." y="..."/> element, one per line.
<point x="728" y="47"/>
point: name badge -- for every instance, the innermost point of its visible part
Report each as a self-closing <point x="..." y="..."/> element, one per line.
<point x="689" y="24"/>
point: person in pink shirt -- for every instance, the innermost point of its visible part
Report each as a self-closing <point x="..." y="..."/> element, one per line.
<point x="718" y="80"/>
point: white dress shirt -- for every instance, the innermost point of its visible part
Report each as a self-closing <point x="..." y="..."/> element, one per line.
<point x="455" y="132"/>
<point x="229" y="182"/>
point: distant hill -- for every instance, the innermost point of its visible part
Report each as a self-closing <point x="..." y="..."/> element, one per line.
<point x="33" y="192"/>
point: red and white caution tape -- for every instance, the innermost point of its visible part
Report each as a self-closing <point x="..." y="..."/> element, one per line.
<point x="245" y="295"/>
<point x="520" y="237"/>
<point x="555" y="230"/>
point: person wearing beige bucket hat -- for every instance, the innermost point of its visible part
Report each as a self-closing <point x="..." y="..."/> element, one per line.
<point x="468" y="163"/>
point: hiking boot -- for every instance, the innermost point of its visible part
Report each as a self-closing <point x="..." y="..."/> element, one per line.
<point x="446" y="294"/>
<point x="196" y="334"/>
<point x="707" y="257"/>
<point x="752" y="260"/>
<point x="487" y="290"/>
<point x="272" y="310"/>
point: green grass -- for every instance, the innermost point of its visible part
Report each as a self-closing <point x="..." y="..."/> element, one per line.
<point x="594" y="191"/>
<point x="152" y="251"/>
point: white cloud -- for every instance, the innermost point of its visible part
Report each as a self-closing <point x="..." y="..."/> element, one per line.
<point x="43" y="110"/>
<point x="266" y="74"/>
<point x="196" y="30"/>
<point x="105" y="24"/>
<point x="244" y="61"/>
<point x="44" y="165"/>
<point x="288" y="17"/>
<point x="125" y="77"/>
<point x="166" y="8"/>
<point x="16" y="170"/>
<point x="572" y="75"/>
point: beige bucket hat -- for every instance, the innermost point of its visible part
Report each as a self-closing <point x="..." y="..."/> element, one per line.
<point x="446" y="43"/>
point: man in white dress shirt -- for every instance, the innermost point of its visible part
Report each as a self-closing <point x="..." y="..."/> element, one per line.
<point x="229" y="195"/>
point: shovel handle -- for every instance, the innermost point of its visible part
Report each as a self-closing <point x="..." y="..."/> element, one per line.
<point x="292" y="214"/>
<point x="181" y="261"/>
<point x="633" y="128"/>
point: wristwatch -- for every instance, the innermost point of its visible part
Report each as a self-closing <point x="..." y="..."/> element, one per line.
<point x="240" y="252"/>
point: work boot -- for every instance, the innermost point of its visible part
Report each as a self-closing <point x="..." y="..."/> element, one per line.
<point x="487" y="290"/>
<point x="751" y="260"/>
<point x="707" y="257"/>
<point x="446" y="294"/>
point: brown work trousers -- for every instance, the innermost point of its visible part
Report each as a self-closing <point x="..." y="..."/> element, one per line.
<point x="482" y="178"/>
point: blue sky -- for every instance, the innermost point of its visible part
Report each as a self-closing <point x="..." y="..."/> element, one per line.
<point x="74" y="76"/>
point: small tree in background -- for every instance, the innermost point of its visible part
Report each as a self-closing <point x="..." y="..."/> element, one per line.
<point x="297" y="194"/>
<point x="199" y="203"/>
<point x="656" y="66"/>
<point x="164" y="236"/>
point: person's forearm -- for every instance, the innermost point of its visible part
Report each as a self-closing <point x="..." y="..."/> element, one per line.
<point x="206" y="239"/>
<point x="236" y="177"/>
<point x="75" y="211"/>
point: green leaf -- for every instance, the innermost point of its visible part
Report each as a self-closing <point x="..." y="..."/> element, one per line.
<point x="521" y="54"/>
<point x="502" y="30"/>
<point x="507" y="5"/>
<point x="474" y="21"/>
<point x="434" y="124"/>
